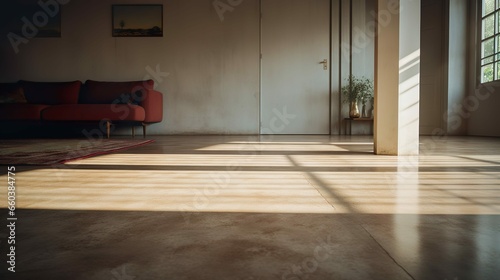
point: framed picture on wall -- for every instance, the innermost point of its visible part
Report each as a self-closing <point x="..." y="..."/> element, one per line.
<point x="137" y="20"/>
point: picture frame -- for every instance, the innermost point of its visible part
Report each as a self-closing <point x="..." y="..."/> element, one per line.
<point x="137" y="20"/>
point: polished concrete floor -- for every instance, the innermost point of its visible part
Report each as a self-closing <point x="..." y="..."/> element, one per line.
<point x="251" y="208"/>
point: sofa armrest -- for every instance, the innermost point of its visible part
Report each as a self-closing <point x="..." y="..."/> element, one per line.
<point x="152" y="102"/>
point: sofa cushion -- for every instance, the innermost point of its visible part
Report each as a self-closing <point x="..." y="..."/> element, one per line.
<point x="95" y="92"/>
<point x="51" y="93"/>
<point x="21" y="111"/>
<point x="94" y="112"/>
<point x="15" y="95"/>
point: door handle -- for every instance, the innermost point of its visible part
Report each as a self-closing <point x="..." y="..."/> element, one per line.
<point x="325" y="64"/>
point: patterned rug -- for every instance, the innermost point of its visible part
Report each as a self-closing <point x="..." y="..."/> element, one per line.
<point x="58" y="151"/>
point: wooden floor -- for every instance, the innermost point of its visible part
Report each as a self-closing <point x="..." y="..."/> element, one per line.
<point x="399" y="209"/>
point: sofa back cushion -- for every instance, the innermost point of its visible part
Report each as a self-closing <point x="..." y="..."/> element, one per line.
<point x="96" y="92"/>
<point x="51" y="93"/>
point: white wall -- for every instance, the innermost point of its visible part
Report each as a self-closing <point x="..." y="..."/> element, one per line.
<point x="335" y="79"/>
<point x="213" y="66"/>
<point x="457" y="65"/>
<point x="432" y="67"/>
<point x="483" y="120"/>
<point x="356" y="59"/>
<point x="468" y="107"/>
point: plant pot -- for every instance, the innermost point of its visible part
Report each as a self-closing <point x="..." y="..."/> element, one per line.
<point x="353" y="110"/>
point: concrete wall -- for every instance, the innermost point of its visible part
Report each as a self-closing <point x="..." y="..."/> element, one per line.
<point x="468" y="107"/>
<point x="357" y="55"/>
<point x="433" y="68"/>
<point x="480" y="108"/>
<point x="206" y="64"/>
<point x="458" y="65"/>
<point x="335" y="80"/>
<point x="484" y="107"/>
<point x="207" y="68"/>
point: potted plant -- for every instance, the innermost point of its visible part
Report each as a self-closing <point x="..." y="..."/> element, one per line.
<point x="357" y="89"/>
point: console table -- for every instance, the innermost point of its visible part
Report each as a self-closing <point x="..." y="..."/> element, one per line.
<point x="350" y="121"/>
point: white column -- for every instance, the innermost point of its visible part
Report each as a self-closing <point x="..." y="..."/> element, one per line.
<point x="397" y="77"/>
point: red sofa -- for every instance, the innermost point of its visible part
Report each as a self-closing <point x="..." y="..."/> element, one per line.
<point x="108" y="103"/>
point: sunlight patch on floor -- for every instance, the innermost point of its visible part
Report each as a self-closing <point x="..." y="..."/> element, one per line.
<point x="258" y="191"/>
<point x="285" y="175"/>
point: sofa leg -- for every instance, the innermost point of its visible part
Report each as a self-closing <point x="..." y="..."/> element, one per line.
<point x="144" y="130"/>
<point x="108" y="128"/>
<point x="133" y="131"/>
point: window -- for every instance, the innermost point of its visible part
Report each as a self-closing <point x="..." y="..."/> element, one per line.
<point x="490" y="40"/>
